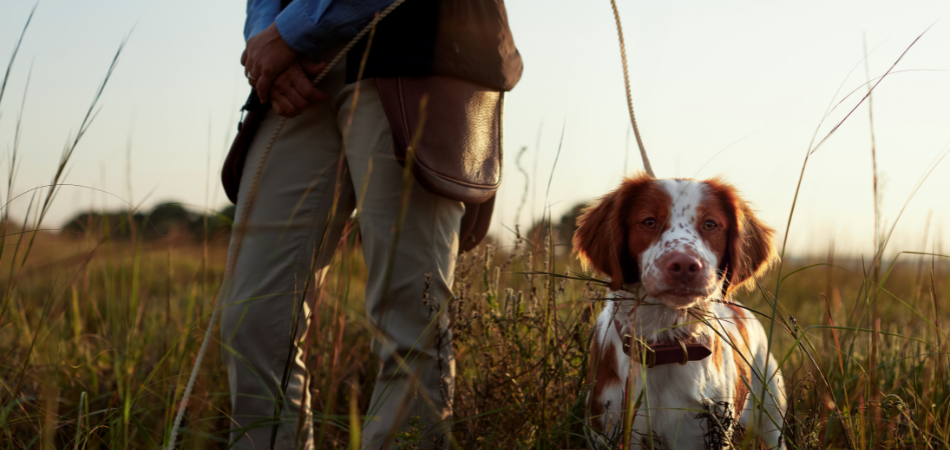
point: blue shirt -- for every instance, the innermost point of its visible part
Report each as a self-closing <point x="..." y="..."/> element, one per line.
<point x="310" y="25"/>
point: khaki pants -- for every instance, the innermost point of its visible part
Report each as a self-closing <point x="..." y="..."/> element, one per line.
<point x="289" y="235"/>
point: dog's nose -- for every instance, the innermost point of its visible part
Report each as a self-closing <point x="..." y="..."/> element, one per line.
<point x="683" y="268"/>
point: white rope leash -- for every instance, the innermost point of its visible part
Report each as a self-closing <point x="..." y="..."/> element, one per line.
<point x="248" y="204"/>
<point x="626" y="81"/>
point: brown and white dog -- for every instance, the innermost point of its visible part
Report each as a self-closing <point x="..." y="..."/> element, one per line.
<point x="675" y="249"/>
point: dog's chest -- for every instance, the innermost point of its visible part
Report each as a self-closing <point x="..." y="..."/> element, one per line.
<point x="678" y="400"/>
<point x="681" y="404"/>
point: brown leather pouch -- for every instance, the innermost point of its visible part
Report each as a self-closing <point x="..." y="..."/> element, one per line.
<point x="237" y="155"/>
<point x="459" y="155"/>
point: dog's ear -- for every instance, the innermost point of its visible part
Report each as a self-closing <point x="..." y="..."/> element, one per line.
<point x="750" y="252"/>
<point x="758" y="249"/>
<point x="601" y="237"/>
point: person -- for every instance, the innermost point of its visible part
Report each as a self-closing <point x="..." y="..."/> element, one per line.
<point x="305" y="196"/>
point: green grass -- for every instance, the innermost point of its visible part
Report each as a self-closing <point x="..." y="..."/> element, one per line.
<point x="95" y="352"/>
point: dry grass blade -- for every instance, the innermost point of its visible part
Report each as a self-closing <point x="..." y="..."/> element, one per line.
<point x="53" y="187"/>
<point x="870" y="90"/>
<point x="771" y="327"/>
<point x="16" y="49"/>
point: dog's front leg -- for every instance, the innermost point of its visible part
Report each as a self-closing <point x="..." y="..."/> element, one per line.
<point x="608" y="370"/>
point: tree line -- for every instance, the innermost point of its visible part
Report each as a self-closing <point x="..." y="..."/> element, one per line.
<point x="169" y="219"/>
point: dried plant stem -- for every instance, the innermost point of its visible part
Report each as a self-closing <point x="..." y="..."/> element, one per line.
<point x="876" y="268"/>
<point x="16" y="49"/>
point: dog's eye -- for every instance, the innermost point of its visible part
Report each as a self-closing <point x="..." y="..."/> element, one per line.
<point x="650" y="223"/>
<point x="709" y="225"/>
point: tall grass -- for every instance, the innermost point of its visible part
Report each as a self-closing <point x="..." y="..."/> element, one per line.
<point x="113" y="337"/>
<point x="98" y="336"/>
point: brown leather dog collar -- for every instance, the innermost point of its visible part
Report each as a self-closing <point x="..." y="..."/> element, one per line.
<point x="666" y="352"/>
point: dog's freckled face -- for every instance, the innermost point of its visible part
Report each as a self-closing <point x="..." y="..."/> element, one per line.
<point x="680" y="266"/>
<point x="677" y="235"/>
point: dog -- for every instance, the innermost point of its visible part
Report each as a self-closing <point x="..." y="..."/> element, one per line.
<point x="675" y="250"/>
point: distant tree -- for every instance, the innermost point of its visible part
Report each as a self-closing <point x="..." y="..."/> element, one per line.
<point x="563" y="229"/>
<point x="116" y="224"/>
<point x="164" y="220"/>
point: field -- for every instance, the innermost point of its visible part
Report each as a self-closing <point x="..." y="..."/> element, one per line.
<point x="101" y="325"/>
<point x="98" y="337"/>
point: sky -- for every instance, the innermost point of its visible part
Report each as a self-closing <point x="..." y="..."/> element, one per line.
<point x="731" y="88"/>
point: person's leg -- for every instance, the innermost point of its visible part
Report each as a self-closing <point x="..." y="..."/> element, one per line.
<point x="265" y="316"/>
<point x="418" y="368"/>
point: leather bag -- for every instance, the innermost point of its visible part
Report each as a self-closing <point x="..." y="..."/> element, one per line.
<point x="459" y="153"/>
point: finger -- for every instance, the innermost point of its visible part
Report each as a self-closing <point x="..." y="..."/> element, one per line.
<point x="313" y="68"/>
<point x="284" y="89"/>
<point x="296" y="99"/>
<point x="305" y="87"/>
<point x="281" y="86"/>
<point x="263" y="86"/>
<point x="244" y="57"/>
<point x="302" y="84"/>
<point x="287" y="109"/>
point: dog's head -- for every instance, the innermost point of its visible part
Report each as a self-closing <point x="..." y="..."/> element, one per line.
<point x="683" y="240"/>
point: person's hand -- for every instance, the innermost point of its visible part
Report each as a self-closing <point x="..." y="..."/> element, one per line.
<point x="293" y="91"/>
<point x="266" y="57"/>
